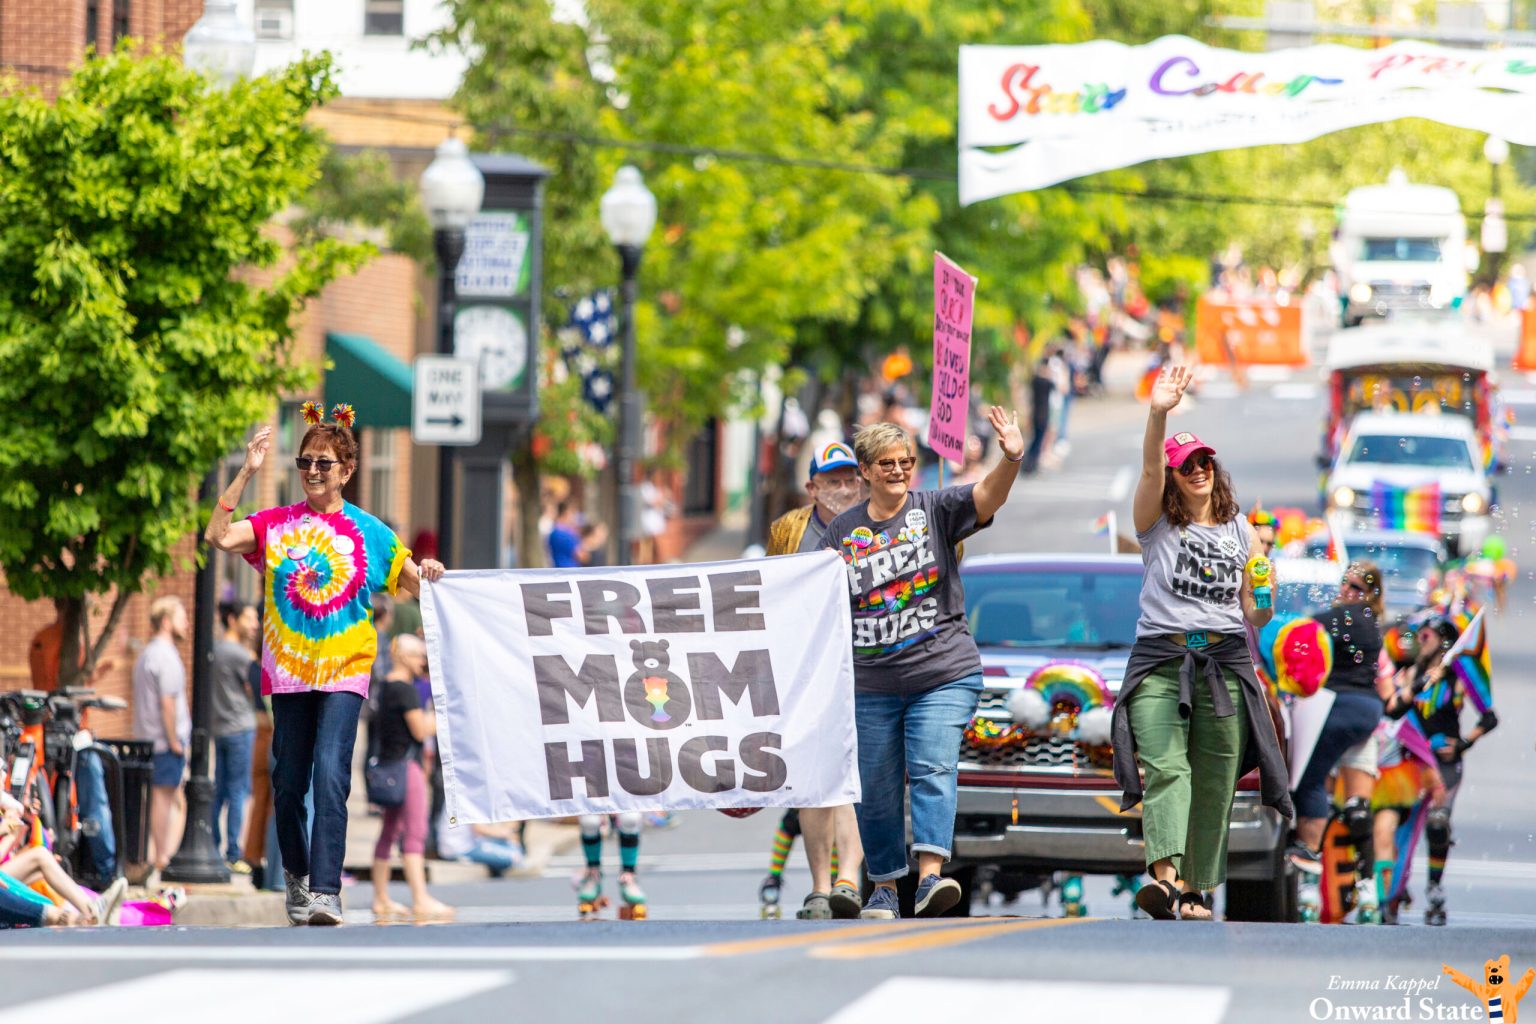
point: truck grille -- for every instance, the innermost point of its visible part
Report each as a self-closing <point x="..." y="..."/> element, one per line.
<point x="1034" y="752"/>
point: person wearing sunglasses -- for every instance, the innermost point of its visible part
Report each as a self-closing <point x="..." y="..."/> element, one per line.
<point x="1354" y="626"/>
<point x="322" y="560"/>
<point x="917" y="673"/>
<point x="1191" y="707"/>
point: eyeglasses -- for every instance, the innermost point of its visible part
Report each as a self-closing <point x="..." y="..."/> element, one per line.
<point x="323" y="465"/>
<point x="887" y="465"/>
<point x="1194" y="462"/>
<point x="1359" y="588"/>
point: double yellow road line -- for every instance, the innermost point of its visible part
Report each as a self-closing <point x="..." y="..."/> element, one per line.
<point x="863" y="941"/>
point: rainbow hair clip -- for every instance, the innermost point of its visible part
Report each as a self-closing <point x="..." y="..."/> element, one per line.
<point x="344" y="415"/>
<point x="313" y="413"/>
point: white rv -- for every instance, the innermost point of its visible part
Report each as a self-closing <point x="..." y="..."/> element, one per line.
<point x="1400" y="247"/>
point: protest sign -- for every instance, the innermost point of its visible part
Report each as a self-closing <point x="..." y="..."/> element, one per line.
<point x="577" y="691"/>
<point x="954" y="301"/>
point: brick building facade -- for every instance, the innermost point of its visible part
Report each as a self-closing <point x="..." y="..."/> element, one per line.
<point x="42" y="40"/>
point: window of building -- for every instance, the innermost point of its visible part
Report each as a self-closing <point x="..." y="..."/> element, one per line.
<point x="382" y="468"/>
<point x="383" y="17"/>
<point x="92" y="15"/>
<point x="290" y="431"/>
<point x="120" y="9"/>
<point x="274" y="19"/>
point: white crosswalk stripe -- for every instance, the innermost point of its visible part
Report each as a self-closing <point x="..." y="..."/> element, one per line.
<point x="954" y="1001"/>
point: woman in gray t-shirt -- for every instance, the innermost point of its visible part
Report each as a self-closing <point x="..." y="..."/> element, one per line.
<point x="1191" y="709"/>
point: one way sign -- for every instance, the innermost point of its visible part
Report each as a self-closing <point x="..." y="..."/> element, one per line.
<point x="445" y="405"/>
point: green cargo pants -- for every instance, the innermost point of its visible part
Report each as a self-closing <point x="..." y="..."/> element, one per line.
<point x="1190" y="771"/>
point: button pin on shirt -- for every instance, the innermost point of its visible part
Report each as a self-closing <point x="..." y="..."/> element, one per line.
<point x="298" y="551"/>
<point x="343" y="545"/>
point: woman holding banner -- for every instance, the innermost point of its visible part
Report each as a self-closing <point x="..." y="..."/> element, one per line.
<point x="917" y="673"/>
<point x="322" y="560"/>
<point x="1191" y="708"/>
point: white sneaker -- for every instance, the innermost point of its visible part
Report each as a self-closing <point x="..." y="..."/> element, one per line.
<point x="110" y="902"/>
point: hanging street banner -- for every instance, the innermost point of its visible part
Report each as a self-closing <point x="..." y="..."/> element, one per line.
<point x="954" y="303"/>
<point x="1066" y="111"/>
<point x="576" y="691"/>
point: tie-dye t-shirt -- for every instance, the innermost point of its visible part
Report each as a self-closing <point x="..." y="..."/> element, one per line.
<point x="909" y="629"/>
<point x="320" y="573"/>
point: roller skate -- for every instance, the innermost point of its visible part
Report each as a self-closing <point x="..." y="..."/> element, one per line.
<point x="1434" y="911"/>
<point x="1309" y="902"/>
<point x="1072" y="897"/>
<point x="768" y="898"/>
<point x="633" y="896"/>
<point x="589" y="894"/>
<point x="1367" y="909"/>
<point x="1130" y="884"/>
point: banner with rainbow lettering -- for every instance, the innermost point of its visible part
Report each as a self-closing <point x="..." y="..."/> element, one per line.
<point x="1406" y="508"/>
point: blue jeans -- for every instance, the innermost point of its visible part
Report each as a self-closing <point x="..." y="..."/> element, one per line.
<point x="910" y="740"/>
<point x="17" y="910"/>
<point x="1351" y="720"/>
<point x="312" y="739"/>
<point x="231" y="785"/>
<point x="96" y="835"/>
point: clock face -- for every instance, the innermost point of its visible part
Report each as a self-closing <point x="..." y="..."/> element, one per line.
<point x="497" y="338"/>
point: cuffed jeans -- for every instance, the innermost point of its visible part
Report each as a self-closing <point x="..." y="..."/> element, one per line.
<point x="231" y="785"/>
<point x="312" y="739"/>
<point x="1190" y="767"/>
<point x="97" y="837"/>
<point x="910" y="740"/>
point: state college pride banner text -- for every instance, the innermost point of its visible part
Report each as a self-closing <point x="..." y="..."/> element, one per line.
<point x="1077" y="109"/>
<point x="573" y="691"/>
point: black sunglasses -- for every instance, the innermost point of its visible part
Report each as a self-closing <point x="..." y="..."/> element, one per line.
<point x="1194" y="462"/>
<point x="1359" y="588"/>
<point x="323" y="465"/>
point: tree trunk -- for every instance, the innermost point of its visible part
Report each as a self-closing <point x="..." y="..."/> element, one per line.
<point x="72" y="614"/>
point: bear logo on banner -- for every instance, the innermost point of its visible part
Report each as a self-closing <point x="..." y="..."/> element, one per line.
<point x="655" y="695"/>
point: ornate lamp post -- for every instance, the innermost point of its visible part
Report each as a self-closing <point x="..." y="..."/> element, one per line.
<point x="628" y="213"/>
<point x="222" y="47"/>
<point x="452" y="189"/>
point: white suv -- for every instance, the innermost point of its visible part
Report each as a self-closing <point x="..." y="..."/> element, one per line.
<point x="1387" y="455"/>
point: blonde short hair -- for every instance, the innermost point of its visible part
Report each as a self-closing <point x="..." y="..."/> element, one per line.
<point x="870" y="441"/>
<point x="407" y="643"/>
<point x="162" y="608"/>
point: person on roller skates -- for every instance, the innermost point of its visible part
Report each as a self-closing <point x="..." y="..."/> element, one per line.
<point x="589" y="884"/>
<point x="834" y="487"/>
<point x="1431" y="704"/>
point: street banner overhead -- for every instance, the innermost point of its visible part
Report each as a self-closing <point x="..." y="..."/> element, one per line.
<point x="1070" y="110"/>
<point x="726" y="685"/>
<point x="954" y="304"/>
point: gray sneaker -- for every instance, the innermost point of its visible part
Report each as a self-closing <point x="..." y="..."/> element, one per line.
<point x="299" y="899"/>
<point x="110" y="902"/>
<point x="324" y="908"/>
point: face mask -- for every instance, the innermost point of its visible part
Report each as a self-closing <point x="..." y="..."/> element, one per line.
<point x="837" y="500"/>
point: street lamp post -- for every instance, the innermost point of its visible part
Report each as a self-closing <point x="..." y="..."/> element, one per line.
<point x="1495" y="233"/>
<point x="628" y="211"/>
<point x="452" y="189"/>
<point x="222" y="47"/>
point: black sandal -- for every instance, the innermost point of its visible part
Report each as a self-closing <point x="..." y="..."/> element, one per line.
<point x="1193" y="899"/>
<point x="1158" y="900"/>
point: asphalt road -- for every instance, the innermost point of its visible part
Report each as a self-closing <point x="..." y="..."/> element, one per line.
<point x="705" y="956"/>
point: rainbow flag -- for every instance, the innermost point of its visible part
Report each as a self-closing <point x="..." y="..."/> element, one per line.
<point x="1406" y="508"/>
<point x="1469" y="660"/>
<point x="1101" y="524"/>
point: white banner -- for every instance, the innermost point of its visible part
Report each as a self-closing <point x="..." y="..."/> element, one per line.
<point x="1072" y="110"/>
<point x="576" y="691"/>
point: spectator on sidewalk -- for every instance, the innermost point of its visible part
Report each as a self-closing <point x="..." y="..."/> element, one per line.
<point x="258" y="852"/>
<point x="234" y="728"/>
<point x="1041" y="388"/>
<point x="160" y="715"/>
<point x="494" y="846"/>
<point x="568" y="549"/>
<point x="401" y="725"/>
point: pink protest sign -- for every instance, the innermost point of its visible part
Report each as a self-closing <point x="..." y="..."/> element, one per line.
<point x="954" y="300"/>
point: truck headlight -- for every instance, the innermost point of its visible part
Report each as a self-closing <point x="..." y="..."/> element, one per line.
<point x="1343" y="497"/>
<point x="1360" y="293"/>
<point x="1474" y="504"/>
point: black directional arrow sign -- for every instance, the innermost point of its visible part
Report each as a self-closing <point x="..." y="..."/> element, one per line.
<point x="445" y="400"/>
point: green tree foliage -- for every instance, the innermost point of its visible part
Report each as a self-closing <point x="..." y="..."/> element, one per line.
<point x="134" y="350"/>
<point x="361" y="190"/>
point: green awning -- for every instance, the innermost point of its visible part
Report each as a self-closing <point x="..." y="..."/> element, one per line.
<point x="369" y="378"/>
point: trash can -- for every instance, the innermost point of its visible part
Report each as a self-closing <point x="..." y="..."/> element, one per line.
<point x="130" y="803"/>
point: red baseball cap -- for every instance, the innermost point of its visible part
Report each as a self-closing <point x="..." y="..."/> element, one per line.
<point x="1181" y="446"/>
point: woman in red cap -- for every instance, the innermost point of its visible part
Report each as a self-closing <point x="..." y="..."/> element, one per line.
<point x="1191" y="707"/>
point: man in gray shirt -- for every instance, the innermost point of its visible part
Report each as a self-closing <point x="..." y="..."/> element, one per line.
<point x="234" y="726"/>
<point x="160" y="714"/>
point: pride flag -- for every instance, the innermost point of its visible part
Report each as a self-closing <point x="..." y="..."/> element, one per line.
<point x="1101" y="525"/>
<point x="1469" y="660"/>
<point x="1406" y="508"/>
